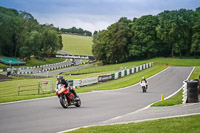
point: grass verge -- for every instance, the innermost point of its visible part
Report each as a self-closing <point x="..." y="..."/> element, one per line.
<point x="9" y="89"/>
<point x="175" y="100"/>
<point x="188" y="124"/>
<point x="123" y="82"/>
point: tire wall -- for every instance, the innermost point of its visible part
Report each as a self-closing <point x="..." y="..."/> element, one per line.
<point x="192" y="91"/>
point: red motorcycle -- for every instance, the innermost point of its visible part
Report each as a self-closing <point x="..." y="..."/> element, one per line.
<point x="66" y="97"/>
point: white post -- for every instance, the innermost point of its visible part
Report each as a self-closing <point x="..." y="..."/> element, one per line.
<point x="47" y="73"/>
<point x="184" y="100"/>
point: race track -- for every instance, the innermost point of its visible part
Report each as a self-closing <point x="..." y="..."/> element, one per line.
<point x="47" y="115"/>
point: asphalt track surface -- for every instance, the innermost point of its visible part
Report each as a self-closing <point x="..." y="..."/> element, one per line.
<point x="47" y="115"/>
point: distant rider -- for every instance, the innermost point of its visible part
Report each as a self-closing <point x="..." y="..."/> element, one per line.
<point x="144" y="80"/>
<point x="61" y="80"/>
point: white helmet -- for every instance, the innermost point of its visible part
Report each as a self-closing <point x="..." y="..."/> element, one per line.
<point x="142" y="77"/>
<point x="60" y="77"/>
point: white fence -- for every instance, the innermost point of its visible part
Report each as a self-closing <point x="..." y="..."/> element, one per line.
<point x="122" y="73"/>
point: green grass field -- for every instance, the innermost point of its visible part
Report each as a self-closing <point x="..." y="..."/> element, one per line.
<point x="196" y="73"/>
<point x="157" y="61"/>
<point x="123" y="82"/>
<point x="188" y="124"/>
<point x="175" y="100"/>
<point x="97" y="67"/>
<point x="36" y="62"/>
<point x="2" y="66"/>
<point x="77" y="45"/>
<point x="8" y="89"/>
<point x="177" y="62"/>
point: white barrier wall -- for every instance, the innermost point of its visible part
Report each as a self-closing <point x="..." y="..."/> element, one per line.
<point x="93" y="80"/>
<point x="136" y="69"/>
<point x="122" y="73"/>
<point x="128" y="71"/>
<point x="83" y="82"/>
<point x="89" y="81"/>
<point x="140" y="67"/>
<point x="116" y="75"/>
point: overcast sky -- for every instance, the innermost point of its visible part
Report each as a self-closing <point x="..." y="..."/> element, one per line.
<point x="94" y="14"/>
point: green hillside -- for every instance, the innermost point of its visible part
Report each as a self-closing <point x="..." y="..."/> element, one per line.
<point x="77" y="45"/>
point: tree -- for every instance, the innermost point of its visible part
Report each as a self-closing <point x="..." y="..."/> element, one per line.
<point x="8" y="24"/>
<point x="175" y="28"/>
<point x="22" y="36"/>
<point x="31" y="45"/>
<point x="50" y="41"/>
<point x="78" y="31"/>
<point x="119" y="39"/>
<point x="144" y="40"/>
<point x="99" y="44"/>
<point x="195" y="48"/>
<point x="114" y="42"/>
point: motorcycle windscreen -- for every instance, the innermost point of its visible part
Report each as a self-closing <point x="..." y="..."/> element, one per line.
<point x="61" y="90"/>
<point x="143" y="83"/>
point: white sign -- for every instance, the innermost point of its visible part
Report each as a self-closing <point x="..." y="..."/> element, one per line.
<point x="83" y="82"/>
<point x="88" y="81"/>
<point x="72" y="57"/>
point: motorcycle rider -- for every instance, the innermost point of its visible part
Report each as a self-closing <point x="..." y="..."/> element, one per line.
<point x="144" y="80"/>
<point x="61" y="80"/>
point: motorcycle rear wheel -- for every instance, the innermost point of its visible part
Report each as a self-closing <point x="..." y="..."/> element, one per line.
<point x="63" y="102"/>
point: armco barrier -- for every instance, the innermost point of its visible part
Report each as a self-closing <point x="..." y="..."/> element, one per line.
<point x="104" y="78"/>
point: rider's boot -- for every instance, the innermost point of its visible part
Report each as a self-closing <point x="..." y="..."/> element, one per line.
<point x="75" y="95"/>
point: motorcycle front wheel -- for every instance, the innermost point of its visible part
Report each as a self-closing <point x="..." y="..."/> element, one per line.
<point x="144" y="89"/>
<point x="63" y="102"/>
<point x="78" y="103"/>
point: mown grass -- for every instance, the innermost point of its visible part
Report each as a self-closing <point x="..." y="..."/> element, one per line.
<point x="175" y="100"/>
<point x="97" y="67"/>
<point x="196" y="73"/>
<point x="8" y="89"/>
<point x="77" y="45"/>
<point x="123" y="82"/>
<point x="177" y="62"/>
<point x="188" y="124"/>
<point x="36" y="62"/>
<point x="2" y="66"/>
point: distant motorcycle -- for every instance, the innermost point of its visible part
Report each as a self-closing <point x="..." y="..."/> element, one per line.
<point x="66" y="97"/>
<point x="144" y="86"/>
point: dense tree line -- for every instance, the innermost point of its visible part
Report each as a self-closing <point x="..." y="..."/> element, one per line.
<point x="22" y="36"/>
<point x="77" y="31"/>
<point x="170" y="33"/>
